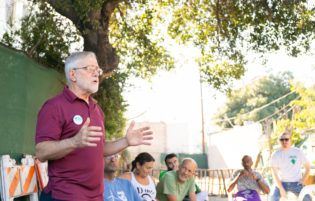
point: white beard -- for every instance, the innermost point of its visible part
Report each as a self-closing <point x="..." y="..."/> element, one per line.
<point x="87" y="87"/>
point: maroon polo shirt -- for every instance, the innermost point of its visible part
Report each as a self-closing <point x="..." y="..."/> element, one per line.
<point x="78" y="175"/>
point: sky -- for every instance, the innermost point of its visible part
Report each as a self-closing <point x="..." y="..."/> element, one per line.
<point x="174" y="97"/>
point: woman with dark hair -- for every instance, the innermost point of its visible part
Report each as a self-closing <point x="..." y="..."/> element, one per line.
<point x="140" y="176"/>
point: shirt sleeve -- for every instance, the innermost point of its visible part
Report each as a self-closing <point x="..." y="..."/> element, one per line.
<point x="49" y="126"/>
<point x="303" y="157"/>
<point x="234" y="175"/>
<point x="273" y="160"/>
<point x="261" y="178"/>
<point x="135" y="195"/>
<point x="192" y="187"/>
<point x="162" y="174"/>
<point x="169" y="186"/>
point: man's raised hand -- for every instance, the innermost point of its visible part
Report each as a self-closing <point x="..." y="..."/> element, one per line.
<point x="87" y="135"/>
<point x="138" y="136"/>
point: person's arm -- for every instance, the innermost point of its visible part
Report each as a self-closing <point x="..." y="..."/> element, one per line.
<point x="133" y="137"/>
<point x="307" y="167"/>
<point x="259" y="180"/>
<point x="276" y="178"/>
<point x="235" y="180"/>
<point x="262" y="185"/>
<point x="171" y="197"/>
<point x="113" y="147"/>
<point x="192" y="196"/>
<point x="53" y="150"/>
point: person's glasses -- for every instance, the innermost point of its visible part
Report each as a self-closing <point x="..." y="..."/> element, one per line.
<point x="188" y="170"/>
<point x="116" y="156"/>
<point x="284" y="139"/>
<point x="91" y="69"/>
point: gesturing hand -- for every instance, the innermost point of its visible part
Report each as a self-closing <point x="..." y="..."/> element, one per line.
<point x="247" y="173"/>
<point x="87" y="135"/>
<point x="138" y="136"/>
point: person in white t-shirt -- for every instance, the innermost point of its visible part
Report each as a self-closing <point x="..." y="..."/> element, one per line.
<point x="286" y="164"/>
<point x="140" y="176"/>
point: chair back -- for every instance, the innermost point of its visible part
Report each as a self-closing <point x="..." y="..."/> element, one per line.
<point x="307" y="190"/>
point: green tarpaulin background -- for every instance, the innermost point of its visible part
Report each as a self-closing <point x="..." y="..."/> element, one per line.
<point x="24" y="87"/>
<point x="201" y="159"/>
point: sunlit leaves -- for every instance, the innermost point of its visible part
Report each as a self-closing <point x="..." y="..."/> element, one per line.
<point x="111" y="101"/>
<point x="45" y="36"/>
<point x="242" y="103"/>
<point x="304" y="114"/>
<point x="135" y="35"/>
<point x="226" y="31"/>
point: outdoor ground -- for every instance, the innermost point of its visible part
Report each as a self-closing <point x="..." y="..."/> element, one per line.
<point x="219" y="198"/>
<point x="263" y="198"/>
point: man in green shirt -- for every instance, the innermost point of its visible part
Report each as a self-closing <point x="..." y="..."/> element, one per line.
<point x="174" y="185"/>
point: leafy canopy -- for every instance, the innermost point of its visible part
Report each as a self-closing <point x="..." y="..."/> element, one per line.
<point x="131" y="37"/>
<point x="223" y="31"/>
<point x="226" y="31"/>
<point x="266" y="97"/>
<point x="303" y="117"/>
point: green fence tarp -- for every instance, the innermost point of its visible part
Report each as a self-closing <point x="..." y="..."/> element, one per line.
<point x="201" y="159"/>
<point x="24" y="87"/>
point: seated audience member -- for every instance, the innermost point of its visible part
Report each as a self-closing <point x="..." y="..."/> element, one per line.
<point x="249" y="182"/>
<point x="176" y="184"/>
<point x="171" y="162"/>
<point x="140" y="176"/>
<point x="117" y="189"/>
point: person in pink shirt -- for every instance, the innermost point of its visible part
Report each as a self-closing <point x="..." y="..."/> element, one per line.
<point x="70" y="135"/>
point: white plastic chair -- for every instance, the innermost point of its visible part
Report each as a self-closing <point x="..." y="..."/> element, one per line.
<point x="307" y="190"/>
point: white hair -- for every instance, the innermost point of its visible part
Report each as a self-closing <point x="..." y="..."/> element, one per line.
<point x="73" y="60"/>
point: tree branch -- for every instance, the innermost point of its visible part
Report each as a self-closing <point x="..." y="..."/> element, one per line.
<point x="29" y="53"/>
<point x="64" y="8"/>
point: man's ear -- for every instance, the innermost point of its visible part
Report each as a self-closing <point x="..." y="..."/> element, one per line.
<point x="71" y="74"/>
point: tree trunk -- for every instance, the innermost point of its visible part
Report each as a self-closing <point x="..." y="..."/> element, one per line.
<point x="96" y="39"/>
<point x="97" y="42"/>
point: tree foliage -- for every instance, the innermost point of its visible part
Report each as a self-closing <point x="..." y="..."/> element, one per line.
<point x="131" y="36"/>
<point x="303" y="117"/>
<point x="243" y="103"/>
<point x="223" y="31"/>
<point x="119" y="32"/>
<point x="45" y="36"/>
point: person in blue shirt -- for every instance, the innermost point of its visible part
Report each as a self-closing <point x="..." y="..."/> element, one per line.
<point x="117" y="188"/>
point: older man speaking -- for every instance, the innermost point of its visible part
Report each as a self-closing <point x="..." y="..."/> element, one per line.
<point x="70" y="135"/>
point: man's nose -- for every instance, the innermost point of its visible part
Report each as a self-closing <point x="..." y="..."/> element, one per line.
<point x="95" y="73"/>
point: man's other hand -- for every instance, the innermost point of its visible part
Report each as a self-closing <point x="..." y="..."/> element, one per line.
<point x="138" y="136"/>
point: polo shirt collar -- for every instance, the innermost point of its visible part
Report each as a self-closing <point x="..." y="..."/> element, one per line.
<point x="70" y="96"/>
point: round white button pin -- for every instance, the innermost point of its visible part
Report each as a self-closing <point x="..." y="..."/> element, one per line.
<point x="77" y="119"/>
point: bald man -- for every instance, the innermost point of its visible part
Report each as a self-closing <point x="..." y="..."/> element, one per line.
<point x="175" y="185"/>
<point x="249" y="182"/>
